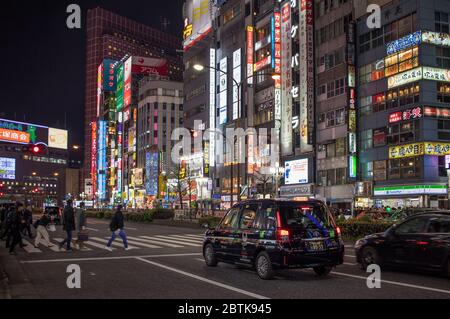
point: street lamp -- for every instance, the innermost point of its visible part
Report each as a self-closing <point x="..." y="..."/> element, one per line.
<point x="276" y="77"/>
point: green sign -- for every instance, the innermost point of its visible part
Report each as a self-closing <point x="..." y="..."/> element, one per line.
<point x="120" y="76"/>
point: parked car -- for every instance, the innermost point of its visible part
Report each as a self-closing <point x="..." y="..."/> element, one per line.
<point x="407" y="212"/>
<point x="422" y="241"/>
<point x="55" y="214"/>
<point x="275" y="234"/>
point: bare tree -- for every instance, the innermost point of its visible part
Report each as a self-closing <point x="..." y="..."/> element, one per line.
<point x="263" y="179"/>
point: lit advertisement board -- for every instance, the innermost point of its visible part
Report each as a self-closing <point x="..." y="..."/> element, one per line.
<point x="223" y="91"/>
<point x="101" y="160"/>
<point x="422" y="72"/>
<point x="212" y="105"/>
<point x="7" y="168"/>
<point x="250" y="52"/>
<point x="436" y="38"/>
<point x="410" y="190"/>
<point x="151" y="173"/>
<point x="417" y="149"/>
<point x="296" y="172"/>
<point x="127" y="83"/>
<point x="57" y="138"/>
<point x="352" y="166"/>
<point x="403" y="43"/>
<point x="22" y="133"/>
<point x="435" y="74"/>
<point x="120" y="76"/>
<point x="149" y="66"/>
<point x="109" y="75"/>
<point x="94" y="156"/>
<point x="198" y="16"/>
<point x="99" y="87"/>
<point x="286" y="141"/>
<point x="237" y="76"/>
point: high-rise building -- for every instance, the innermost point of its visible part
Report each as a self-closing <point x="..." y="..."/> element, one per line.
<point x="403" y="100"/>
<point x="112" y="36"/>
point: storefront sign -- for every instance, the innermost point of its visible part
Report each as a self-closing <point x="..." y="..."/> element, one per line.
<point x="262" y="63"/>
<point x="212" y="105"/>
<point x="405" y="77"/>
<point x="435" y="74"/>
<point x="406" y="115"/>
<point x="297" y="172"/>
<point x="237" y="76"/>
<point x="403" y="43"/>
<point x="223" y="91"/>
<point x="436" y="38"/>
<point x="411" y="190"/>
<point x="352" y="166"/>
<point x="436" y="112"/>
<point x="296" y="191"/>
<point x="286" y="142"/>
<point x="417" y="149"/>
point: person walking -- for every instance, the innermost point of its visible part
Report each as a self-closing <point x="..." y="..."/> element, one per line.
<point x="16" y="227"/>
<point x="7" y="225"/>
<point x="28" y="221"/>
<point x="68" y="225"/>
<point x="82" y="222"/>
<point x="117" y="225"/>
<point x="41" y="231"/>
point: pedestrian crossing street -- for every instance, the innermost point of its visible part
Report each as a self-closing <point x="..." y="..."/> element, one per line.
<point x="134" y="243"/>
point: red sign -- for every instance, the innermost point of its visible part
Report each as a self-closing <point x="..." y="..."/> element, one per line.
<point x="149" y="66"/>
<point x="395" y="117"/>
<point x="260" y="64"/>
<point x="277" y="41"/>
<point x="14" y="136"/>
<point x="406" y="115"/>
<point x="436" y="112"/>
<point x="250" y="52"/>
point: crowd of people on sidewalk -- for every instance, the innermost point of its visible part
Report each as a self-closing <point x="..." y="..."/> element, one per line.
<point x="16" y="221"/>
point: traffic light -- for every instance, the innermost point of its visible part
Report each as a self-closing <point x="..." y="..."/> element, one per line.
<point x="36" y="149"/>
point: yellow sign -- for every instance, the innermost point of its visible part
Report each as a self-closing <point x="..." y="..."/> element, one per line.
<point x="417" y="149"/>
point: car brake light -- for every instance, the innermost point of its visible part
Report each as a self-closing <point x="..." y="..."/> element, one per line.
<point x="338" y="231"/>
<point x="283" y="235"/>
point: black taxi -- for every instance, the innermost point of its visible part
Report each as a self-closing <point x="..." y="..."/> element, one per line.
<point x="271" y="234"/>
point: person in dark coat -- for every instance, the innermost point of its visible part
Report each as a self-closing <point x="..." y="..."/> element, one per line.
<point x="28" y="221"/>
<point x="17" y="222"/>
<point x="68" y="224"/>
<point x="117" y="225"/>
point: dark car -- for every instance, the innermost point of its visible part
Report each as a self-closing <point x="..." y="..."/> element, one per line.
<point x="274" y="234"/>
<point x="421" y="241"/>
<point x="55" y="214"/>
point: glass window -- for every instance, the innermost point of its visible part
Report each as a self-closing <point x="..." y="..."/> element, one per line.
<point x="248" y="216"/>
<point x="413" y="226"/>
<point x="231" y="220"/>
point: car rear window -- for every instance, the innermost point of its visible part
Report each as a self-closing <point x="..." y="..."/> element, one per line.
<point x="305" y="215"/>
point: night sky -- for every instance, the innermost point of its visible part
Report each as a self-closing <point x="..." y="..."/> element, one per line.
<point x="43" y="62"/>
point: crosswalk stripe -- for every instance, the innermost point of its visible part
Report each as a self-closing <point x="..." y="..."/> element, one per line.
<point x="29" y="248"/>
<point x="155" y="242"/>
<point x="57" y="250"/>
<point x="173" y="240"/>
<point x="182" y="240"/>
<point x="136" y="243"/>
<point x="194" y="235"/>
<point x="195" y="240"/>
<point x="94" y="244"/>
<point x="115" y="244"/>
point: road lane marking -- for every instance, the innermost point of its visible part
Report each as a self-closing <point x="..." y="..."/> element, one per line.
<point x="43" y="261"/>
<point x="198" y="259"/>
<point x="194" y="235"/>
<point x="155" y="242"/>
<point x="92" y="229"/>
<point x="29" y="248"/>
<point x="173" y="241"/>
<point x="394" y="283"/>
<point x="350" y="256"/>
<point x="91" y="243"/>
<point x="350" y="264"/>
<point x="130" y="228"/>
<point x="215" y="283"/>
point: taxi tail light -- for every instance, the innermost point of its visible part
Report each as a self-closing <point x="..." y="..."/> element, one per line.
<point x="338" y="231"/>
<point x="283" y="235"/>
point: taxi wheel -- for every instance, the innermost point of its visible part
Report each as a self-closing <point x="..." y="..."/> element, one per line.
<point x="322" y="271"/>
<point x="370" y="256"/>
<point x="210" y="256"/>
<point x="263" y="266"/>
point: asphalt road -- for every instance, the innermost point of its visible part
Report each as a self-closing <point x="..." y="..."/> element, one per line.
<point x="166" y="263"/>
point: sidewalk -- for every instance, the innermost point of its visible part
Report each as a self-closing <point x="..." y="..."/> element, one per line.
<point x="14" y="283"/>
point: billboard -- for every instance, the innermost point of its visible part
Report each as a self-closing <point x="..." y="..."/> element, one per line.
<point x="237" y="76"/>
<point x="250" y="52"/>
<point x="410" y="190"/>
<point x="127" y="83"/>
<point x="306" y="76"/>
<point x="22" y="133"/>
<point x="149" y="66"/>
<point x="120" y="76"/>
<point x="151" y="172"/>
<point x="286" y="145"/>
<point x="94" y="156"/>
<point x="198" y="16"/>
<point x="101" y="160"/>
<point x="223" y="91"/>
<point x="109" y="75"/>
<point x="416" y="74"/>
<point x="7" y="168"/>
<point x="296" y="172"/>
<point x="417" y="149"/>
<point x="403" y="43"/>
<point x="57" y="138"/>
<point x="212" y="105"/>
<point x="99" y="87"/>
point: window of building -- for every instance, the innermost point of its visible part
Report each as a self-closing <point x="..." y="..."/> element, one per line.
<point x="405" y="168"/>
<point x="441" y="22"/>
<point x="331" y="119"/>
<point x="334" y="58"/>
<point x="341" y="149"/>
<point x="403" y="132"/>
<point x="441" y="165"/>
<point x="366" y="139"/>
<point x="443" y="57"/>
<point x="379" y="137"/>
<point x="379" y="170"/>
<point x="371" y="72"/>
<point x="335" y="88"/>
<point x="402" y="61"/>
<point x="443" y="92"/>
<point x="331" y="150"/>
